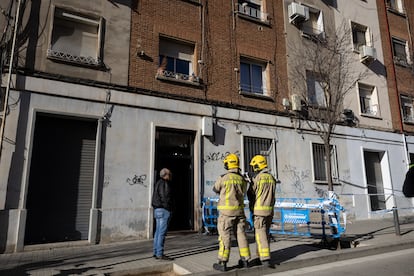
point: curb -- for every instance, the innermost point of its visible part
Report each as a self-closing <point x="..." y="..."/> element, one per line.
<point x="342" y="254"/>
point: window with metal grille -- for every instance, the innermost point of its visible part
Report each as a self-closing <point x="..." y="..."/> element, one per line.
<point x="320" y="168"/>
<point x="254" y="146"/>
<point x="176" y="60"/>
<point x="407" y="109"/>
<point x="252" y="8"/>
<point x="400" y="51"/>
<point x="75" y="38"/>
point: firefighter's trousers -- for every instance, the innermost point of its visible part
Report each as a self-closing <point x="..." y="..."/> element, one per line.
<point x="262" y="235"/>
<point x="225" y="226"/>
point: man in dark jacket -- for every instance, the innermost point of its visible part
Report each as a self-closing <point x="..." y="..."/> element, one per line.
<point x="162" y="203"/>
<point x="408" y="187"/>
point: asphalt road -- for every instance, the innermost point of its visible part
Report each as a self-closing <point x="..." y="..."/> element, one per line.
<point x="397" y="263"/>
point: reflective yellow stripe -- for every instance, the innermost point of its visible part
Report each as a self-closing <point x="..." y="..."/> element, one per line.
<point x="230" y="207"/>
<point x="223" y="253"/>
<point x="263" y="252"/>
<point x="231" y="181"/>
<point x="265" y="179"/>
<point x="244" y="252"/>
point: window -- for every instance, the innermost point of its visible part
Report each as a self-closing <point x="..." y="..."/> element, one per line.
<point x="320" y="169"/>
<point x="263" y="146"/>
<point x="407" y="109"/>
<point x="176" y="61"/>
<point x="314" y="25"/>
<point x="400" y="51"/>
<point x="252" y="76"/>
<point x="368" y="99"/>
<point x="396" y="5"/>
<point x="75" y="38"/>
<point x="361" y="36"/>
<point x="252" y="9"/>
<point x="316" y="90"/>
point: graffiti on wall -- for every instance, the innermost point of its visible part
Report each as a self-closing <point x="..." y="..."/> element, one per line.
<point x="138" y="180"/>
<point x="210" y="183"/>
<point x="217" y="156"/>
<point x="297" y="178"/>
<point x="106" y="180"/>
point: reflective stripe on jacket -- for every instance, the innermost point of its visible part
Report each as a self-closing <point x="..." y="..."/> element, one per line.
<point x="232" y="188"/>
<point x="263" y="190"/>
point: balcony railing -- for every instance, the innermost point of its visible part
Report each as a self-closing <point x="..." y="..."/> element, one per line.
<point x="409" y="119"/>
<point x="252" y="12"/>
<point x="89" y="61"/>
<point x="179" y="77"/>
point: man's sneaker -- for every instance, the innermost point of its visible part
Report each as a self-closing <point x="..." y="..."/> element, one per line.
<point x="164" y="258"/>
<point x="243" y="263"/>
<point x="221" y="266"/>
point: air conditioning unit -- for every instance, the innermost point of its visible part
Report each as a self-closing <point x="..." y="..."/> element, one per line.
<point x="296" y="102"/>
<point x="367" y="54"/>
<point x="297" y="13"/>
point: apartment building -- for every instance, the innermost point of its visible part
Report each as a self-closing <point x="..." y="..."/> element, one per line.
<point x="369" y="158"/>
<point x="107" y="93"/>
<point x="68" y="57"/>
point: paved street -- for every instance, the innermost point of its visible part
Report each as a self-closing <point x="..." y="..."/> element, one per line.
<point x="391" y="263"/>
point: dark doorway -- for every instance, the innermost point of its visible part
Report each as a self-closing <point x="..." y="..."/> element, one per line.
<point x="59" y="196"/>
<point x="374" y="180"/>
<point x="174" y="150"/>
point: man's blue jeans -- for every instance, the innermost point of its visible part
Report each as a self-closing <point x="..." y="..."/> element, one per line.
<point x="162" y="217"/>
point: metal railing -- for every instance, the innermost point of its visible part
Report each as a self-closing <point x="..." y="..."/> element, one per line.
<point x="292" y="216"/>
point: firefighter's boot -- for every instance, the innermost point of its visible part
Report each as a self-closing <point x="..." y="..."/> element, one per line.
<point x="221" y="266"/>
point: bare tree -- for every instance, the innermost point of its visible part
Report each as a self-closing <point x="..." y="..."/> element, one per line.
<point x="323" y="72"/>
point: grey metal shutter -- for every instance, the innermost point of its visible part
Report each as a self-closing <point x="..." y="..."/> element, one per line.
<point x="86" y="174"/>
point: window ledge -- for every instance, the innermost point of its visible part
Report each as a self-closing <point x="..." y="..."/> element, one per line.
<point x="195" y="2"/>
<point x="409" y="122"/>
<point x="402" y="63"/>
<point x="256" y="95"/>
<point x="253" y="19"/>
<point x="396" y="12"/>
<point x="370" y="116"/>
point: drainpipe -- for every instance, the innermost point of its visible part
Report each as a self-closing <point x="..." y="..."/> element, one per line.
<point x="6" y="96"/>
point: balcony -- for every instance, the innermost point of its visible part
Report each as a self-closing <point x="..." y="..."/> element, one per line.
<point x="178" y="77"/>
<point x="313" y="33"/>
<point x="251" y="13"/>
<point x="86" y="61"/>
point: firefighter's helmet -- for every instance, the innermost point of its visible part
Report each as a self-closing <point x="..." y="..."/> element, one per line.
<point x="258" y="163"/>
<point x="231" y="162"/>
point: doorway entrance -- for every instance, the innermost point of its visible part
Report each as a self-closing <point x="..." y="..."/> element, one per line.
<point x="59" y="196"/>
<point x="374" y="177"/>
<point x="174" y="149"/>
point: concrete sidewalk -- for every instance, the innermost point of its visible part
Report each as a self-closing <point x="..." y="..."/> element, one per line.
<point x="195" y="253"/>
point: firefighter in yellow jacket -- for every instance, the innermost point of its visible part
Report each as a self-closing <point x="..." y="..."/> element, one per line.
<point x="232" y="188"/>
<point x="261" y="196"/>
